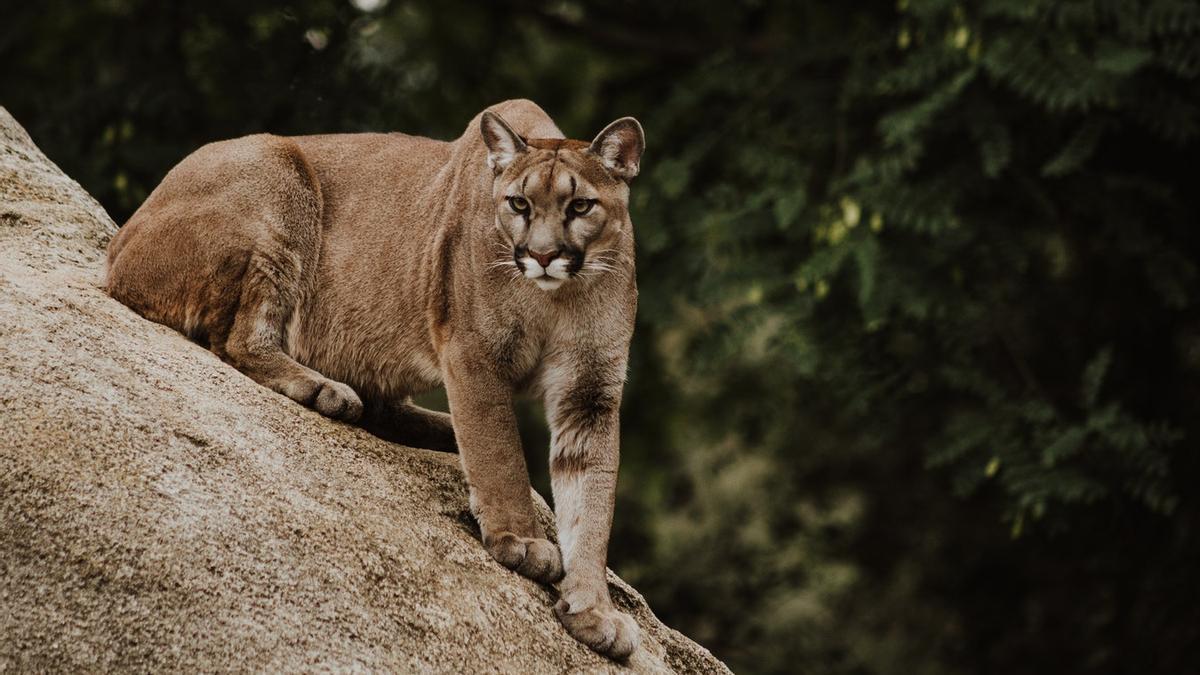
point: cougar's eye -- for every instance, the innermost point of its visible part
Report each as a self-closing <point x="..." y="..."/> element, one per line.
<point x="518" y="204"/>
<point x="581" y="206"/>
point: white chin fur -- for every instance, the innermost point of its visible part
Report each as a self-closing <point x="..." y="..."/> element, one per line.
<point x="547" y="278"/>
<point x="547" y="283"/>
<point x="558" y="269"/>
<point x="532" y="269"/>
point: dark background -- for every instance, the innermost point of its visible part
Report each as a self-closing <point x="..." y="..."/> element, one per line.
<point x="914" y="385"/>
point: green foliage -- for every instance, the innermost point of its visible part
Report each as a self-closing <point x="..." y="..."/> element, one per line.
<point x="914" y="387"/>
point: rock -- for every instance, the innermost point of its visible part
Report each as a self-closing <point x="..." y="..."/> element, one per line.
<point x="160" y="511"/>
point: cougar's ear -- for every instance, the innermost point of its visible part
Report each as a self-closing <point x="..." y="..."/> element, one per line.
<point x="620" y="147"/>
<point x="502" y="142"/>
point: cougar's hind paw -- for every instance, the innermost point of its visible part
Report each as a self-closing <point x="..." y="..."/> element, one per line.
<point x="332" y="399"/>
<point x="338" y="401"/>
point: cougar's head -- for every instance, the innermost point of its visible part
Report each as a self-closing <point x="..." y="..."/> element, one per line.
<point x="562" y="205"/>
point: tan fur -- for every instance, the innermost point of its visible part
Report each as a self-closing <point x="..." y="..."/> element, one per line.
<point x="382" y="265"/>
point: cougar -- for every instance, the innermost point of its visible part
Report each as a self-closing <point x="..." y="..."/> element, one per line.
<point x="352" y="268"/>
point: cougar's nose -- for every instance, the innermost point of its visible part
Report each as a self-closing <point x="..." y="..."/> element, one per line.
<point x="543" y="259"/>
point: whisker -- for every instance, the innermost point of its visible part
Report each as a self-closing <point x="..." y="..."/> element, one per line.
<point x="611" y="264"/>
<point x="607" y="260"/>
<point x="602" y="252"/>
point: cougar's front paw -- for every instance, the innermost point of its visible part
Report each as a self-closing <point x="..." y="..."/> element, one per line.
<point x="537" y="559"/>
<point x="604" y="629"/>
<point x="338" y="401"/>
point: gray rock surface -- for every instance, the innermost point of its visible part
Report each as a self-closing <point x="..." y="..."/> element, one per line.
<point x="160" y="511"/>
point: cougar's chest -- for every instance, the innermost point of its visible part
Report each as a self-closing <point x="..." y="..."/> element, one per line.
<point x="521" y="347"/>
<point x="515" y="350"/>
